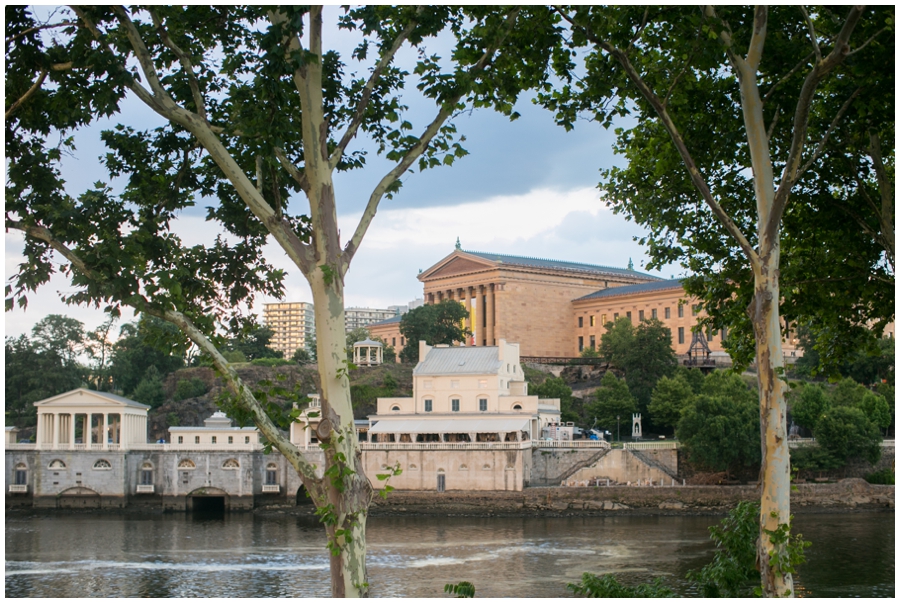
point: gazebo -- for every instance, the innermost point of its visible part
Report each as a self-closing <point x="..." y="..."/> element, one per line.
<point x="368" y="353"/>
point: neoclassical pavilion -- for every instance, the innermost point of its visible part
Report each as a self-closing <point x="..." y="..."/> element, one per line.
<point x="368" y="353"/>
<point x="83" y="419"/>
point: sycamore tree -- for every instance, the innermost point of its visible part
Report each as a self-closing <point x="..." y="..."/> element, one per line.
<point x="257" y="116"/>
<point x="735" y="109"/>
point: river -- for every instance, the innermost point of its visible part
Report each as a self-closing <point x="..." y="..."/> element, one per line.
<point x="246" y="555"/>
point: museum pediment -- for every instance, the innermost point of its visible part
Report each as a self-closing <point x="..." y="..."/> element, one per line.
<point x="453" y="266"/>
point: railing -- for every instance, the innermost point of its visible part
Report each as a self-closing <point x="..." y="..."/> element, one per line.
<point x="145" y="489"/>
<point x="271" y="488"/>
<point x="650" y="445"/>
<point x="570" y="444"/>
<point x="83" y="447"/>
<point x="18" y="488"/>
<point x="191" y="447"/>
<point x="18" y="446"/>
<point x="560" y="360"/>
<point x="800" y="442"/>
<point x="445" y="445"/>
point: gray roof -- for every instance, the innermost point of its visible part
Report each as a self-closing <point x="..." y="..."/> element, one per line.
<point x="367" y="343"/>
<point x="460" y="361"/>
<point x="629" y="289"/>
<point x="390" y="320"/>
<point x="557" y="264"/>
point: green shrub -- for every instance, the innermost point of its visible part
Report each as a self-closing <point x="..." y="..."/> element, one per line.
<point x="173" y="420"/>
<point x="270" y="362"/>
<point x="882" y="476"/>
<point x="189" y="389"/>
<point x="607" y="586"/>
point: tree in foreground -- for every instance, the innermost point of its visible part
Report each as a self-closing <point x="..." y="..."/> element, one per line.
<point x="440" y="323"/>
<point x="613" y="404"/>
<point x="725" y="98"/>
<point x="257" y="114"/>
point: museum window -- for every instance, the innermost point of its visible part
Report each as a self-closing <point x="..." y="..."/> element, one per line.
<point x="695" y="309"/>
<point x="181" y="439"/>
<point x="680" y="310"/>
<point x="212" y="440"/>
<point x="640" y="315"/>
<point x="402" y="342"/>
<point x="454" y="404"/>
<point x="653" y="313"/>
<point x="428" y="405"/>
<point x="580" y="321"/>
<point x="593" y="342"/>
<point x="724" y="333"/>
<point x="482" y="404"/>
<point x="394" y="341"/>
<point x="592" y="320"/>
<point x="668" y="312"/>
<point x="246" y="439"/>
<point x="231" y="439"/>
<point x="615" y="316"/>
<point x="196" y="439"/>
<point x="680" y="334"/>
<point x="581" y="344"/>
<point x="628" y="316"/>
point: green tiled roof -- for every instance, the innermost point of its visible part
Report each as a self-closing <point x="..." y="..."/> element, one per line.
<point x="557" y="264"/>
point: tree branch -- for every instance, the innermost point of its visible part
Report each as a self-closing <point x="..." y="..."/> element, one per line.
<point x="678" y="141"/>
<point x="790" y="73"/>
<point x="143" y="56"/>
<point x="34" y="88"/>
<point x="834" y="124"/>
<point x="801" y="115"/>
<point x="812" y="32"/>
<point x="298" y="176"/>
<point x="22" y="34"/>
<point x="866" y="43"/>
<point x="416" y="151"/>
<point x="886" y="215"/>
<point x="363" y="103"/>
<point x="758" y="39"/>
<point x="185" y="64"/>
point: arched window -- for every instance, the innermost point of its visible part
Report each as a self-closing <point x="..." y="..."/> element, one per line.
<point x="102" y="465"/>
<point x="147" y="474"/>
<point x="517" y="407"/>
<point x="231" y="464"/>
<point x="463" y="467"/>
<point x="56" y="464"/>
<point x="21" y="474"/>
<point x="395" y="408"/>
<point x="271" y="474"/>
<point x="413" y="468"/>
<point x="186" y="464"/>
<point x="486" y="467"/>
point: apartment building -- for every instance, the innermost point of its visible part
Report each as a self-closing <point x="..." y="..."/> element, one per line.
<point x="294" y="324"/>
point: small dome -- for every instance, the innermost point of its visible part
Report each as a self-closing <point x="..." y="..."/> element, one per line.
<point x="368" y="343"/>
<point x="218" y="419"/>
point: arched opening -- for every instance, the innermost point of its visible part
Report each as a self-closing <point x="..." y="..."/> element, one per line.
<point x="206" y="502"/>
<point x="78" y="498"/>
<point x="303" y="498"/>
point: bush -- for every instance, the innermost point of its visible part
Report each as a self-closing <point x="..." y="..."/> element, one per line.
<point x="848" y="433"/>
<point x="234" y="356"/>
<point x="608" y="586"/>
<point x="270" y="362"/>
<point x="192" y="388"/>
<point x="813" y="458"/>
<point x="172" y="420"/>
<point x="721" y="433"/>
<point x="882" y="476"/>
<point x="150" y="390"/>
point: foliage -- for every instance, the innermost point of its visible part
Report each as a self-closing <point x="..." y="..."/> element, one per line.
<point x="253" y="342"/>
<point x="846" y="433"/>
<point x="693" y="376"/>
<point x="141" y="345"/>
<point x="462" y="590"/>
<point x="33" y="374"/>
<point x="727" y="384"/>
<point x="721" y="432"/>
<point x="589" y="353"/>
<point x="848" y="393"/>
<point x="732" y="573"/>
<point x="877" y="409"/>
<point x="172" y="420"/>
<point x="868" y="360"/>
<point x="808" y="404"/>
<point x="434" y="324"/>
<point x="612" y="399"/>
<point x="388" y="353"/>
<point x="189" y="388"/>
<point x="555" y="387"/>
<point x="270" y="362"/>
<point x="882" y="476"/>
<point x="150" y="390"/>
<point x="607" y="586"/>
<point x="813" y="459"/>
<point x="234" y="356"/>
<point x="302" y="356"/>
<point x="616" y="342"/>
<point x="670" y="397"/>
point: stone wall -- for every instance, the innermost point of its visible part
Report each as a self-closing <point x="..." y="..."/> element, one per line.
<point x="463" y="470"/>
<point x="847" y="494"/>
<point x="624" y="467"/>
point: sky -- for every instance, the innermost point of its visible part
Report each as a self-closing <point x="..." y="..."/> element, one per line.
<point x="527" y="187"/>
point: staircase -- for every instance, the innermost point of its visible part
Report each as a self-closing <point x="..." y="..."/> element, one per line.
<point x="556" y="480"/>
<point x="650" y="461"/>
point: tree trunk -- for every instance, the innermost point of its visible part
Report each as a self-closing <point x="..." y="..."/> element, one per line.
<point x="344" y="504"/>
<point x="775" y="479"/>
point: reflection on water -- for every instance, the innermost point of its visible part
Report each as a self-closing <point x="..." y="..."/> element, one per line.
<point x="240" y="555"/>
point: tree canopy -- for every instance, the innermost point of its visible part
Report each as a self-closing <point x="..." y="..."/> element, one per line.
<point x="434" y="324"/>
<point x="613" y="404"/>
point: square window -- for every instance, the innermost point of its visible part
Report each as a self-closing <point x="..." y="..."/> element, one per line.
<point x="212" y="440"/>
<point x="231" y="439"/>
<point x="246" y="439"/>
<point x="454" y="405"/>
<point x="482" y="404"/>
<point x="196" y="439"/>
<point x="428" y="405"/>
<point x="181" y="439"/>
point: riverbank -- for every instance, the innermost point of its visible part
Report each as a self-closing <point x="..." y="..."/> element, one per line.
<point x="847" y="495"/>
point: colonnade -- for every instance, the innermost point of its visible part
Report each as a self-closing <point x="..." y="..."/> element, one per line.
<point x="56" y="430"/>
<point x="485" y="325"/>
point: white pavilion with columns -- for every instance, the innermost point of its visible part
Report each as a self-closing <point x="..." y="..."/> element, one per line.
<point x="368" y="353"/>
<point x="105" y="422"/>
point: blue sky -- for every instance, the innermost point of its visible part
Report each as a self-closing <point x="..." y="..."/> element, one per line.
<point x="527" y="187"/>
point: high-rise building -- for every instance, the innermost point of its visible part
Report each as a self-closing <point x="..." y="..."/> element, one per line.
<point x="294" y="324"/>
<point x="360" y="317"/>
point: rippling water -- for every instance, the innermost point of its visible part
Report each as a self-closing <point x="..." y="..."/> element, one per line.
<point x="242" y="555"/>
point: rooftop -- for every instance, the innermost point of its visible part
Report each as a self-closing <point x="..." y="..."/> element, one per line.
<point x="556" y="264"/>
<point x="458" y="360"/>
<point x="393" y="319"/>
<point x="630" y="289"/>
